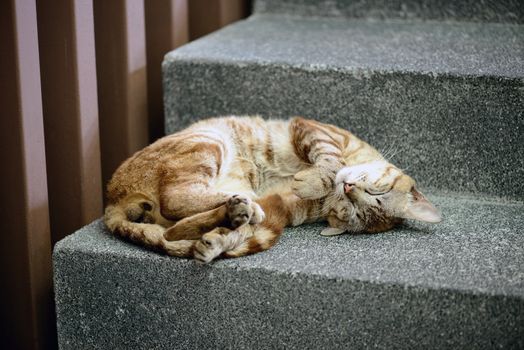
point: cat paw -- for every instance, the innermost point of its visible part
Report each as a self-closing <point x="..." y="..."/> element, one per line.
<point x="242" y="210"/>
<point x="258" y="214"/>
<point x="313" y="183"/>
<point x="208" y="247"/>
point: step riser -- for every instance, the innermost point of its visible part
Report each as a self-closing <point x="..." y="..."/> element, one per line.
<point x="461" y="134"/>
<point x="158" y="304"/>
<point x="499" y="11"/>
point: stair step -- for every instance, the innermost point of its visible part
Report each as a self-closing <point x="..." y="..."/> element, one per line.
<point x="508" y="11"/>
<point x="458" y="284"/>
<point x="448" y="97"/>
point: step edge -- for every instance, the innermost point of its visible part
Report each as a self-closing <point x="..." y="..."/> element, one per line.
<point x="148" y="256"/>
<point x="174" y="58"/>
<point x="407" y="21"/>
<point x="515" y="18"/>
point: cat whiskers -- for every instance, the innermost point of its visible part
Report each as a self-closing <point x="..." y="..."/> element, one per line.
<point x="391" y="152"/>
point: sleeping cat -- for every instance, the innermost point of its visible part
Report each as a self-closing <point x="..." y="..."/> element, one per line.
<point x="228" y="187"/>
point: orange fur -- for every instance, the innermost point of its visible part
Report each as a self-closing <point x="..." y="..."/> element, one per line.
<point x="176" y="195"/>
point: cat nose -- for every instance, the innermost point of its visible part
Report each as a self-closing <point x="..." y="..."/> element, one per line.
<point x="348" y="188"/>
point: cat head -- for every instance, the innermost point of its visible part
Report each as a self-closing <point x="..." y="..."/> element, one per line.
<point x="374" y="197"/>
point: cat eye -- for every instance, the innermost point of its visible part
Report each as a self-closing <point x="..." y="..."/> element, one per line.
<point x="375" y="192"/>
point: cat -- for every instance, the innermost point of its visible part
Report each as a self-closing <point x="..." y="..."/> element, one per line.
<point x="228" y="186"/>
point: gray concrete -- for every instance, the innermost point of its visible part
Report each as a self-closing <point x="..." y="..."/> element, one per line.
<point x="447" y="98"/>
<point x="459" y="284"/>
<point x="507" y="11"/>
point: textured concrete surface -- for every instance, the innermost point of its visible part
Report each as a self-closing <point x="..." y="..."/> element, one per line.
<point x="459" y="284"/>
<point x="457" y="49"/>
<point x="508" y="11"/>
<point x="447" y="99"/>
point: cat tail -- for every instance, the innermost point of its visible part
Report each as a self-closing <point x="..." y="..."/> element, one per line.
<point x="150" y="235"/>
<point x="266" y="234"/>
<point x="262" y="239"/>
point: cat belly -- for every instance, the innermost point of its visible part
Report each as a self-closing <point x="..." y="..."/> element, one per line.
<point x="235" y="186"/>
<point x="276" y="185"/>
<point x="267" y="185"/>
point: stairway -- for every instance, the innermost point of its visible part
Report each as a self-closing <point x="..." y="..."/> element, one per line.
<point x="437" y="83"/>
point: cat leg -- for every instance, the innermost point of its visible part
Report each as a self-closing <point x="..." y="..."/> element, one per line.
<point x="215" y="243"/>
<point x="248" y="239"/>
<point x="237" y="211"/>
<point x="280" y="212"/>
<point x="194" y="191"/>
<point x="180" y="200"/>
<point x="200" y="177"/>
<point x="318" y="144"/>
<point x="321" y="146"/>
<point x="187" y="180"/>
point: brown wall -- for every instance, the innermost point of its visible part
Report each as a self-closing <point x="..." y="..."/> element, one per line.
<point x="68" y="71"/>
<point x="206" y="16"/>
<point x="25" y="250"/>
<point x="80" y="91"/>
<point x="122" y="80"/>
<point x="162" y="14"/>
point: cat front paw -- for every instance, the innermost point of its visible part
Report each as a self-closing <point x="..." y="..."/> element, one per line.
<point x="313" y="183"/>
<point x="242" y="210"/>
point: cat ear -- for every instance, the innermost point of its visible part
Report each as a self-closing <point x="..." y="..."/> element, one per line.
<point x="421" y="209"/>
<point x="332" y="231"/>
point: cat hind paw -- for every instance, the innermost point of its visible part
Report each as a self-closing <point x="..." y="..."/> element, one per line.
<point x="208" y="247"/>
<point x="242" y="210"/>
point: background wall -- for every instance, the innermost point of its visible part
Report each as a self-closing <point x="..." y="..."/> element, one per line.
<point x="80" y="91"/>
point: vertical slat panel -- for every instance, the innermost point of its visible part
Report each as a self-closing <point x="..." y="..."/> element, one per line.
<point x="166" y="29"/>
<point x="231" y="11"/>
<point x="67" y="56"/>
<point x="122" y="80"/>
<point x="206" y="16"/>
<point x="25" y="250"/>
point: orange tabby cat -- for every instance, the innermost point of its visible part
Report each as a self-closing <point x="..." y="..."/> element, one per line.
<point x="228" y="186"/>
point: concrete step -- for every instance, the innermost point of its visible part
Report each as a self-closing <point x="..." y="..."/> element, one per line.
<point x="502" y="11"/>
<point x="447" y="98"/>
<point x="457" y="285"/>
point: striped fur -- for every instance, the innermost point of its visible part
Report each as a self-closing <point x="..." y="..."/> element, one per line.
<point x="228" y="186"/>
